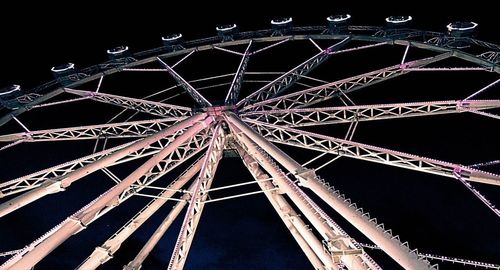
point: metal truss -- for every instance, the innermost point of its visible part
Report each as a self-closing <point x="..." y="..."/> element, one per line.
<point x="491" y="56"/>
<point x="349" y="114"/>
<point x="281" y="83"/>
<point x="307" y="241"/>
<point x="131" y="129"/>
<point x="183" y="152"/>
<point x="375" y="232"/>
<point x="34" y="180"/>
<point x="327" y="144"/>
<point x="248" y="127"/>
<point x="108" y="200"/>
<point x="49" y="186"/>
<point x="200" y="100"/>
<point x="327" y="91"/>
<point x="140" y="105"/>
<point x="105" y="252"/>
<point x="234" y="90"/>
<point x="136" y="263"/>
<point x="336" y="243"/>
<point x="58" y="172"/>
<point x="196" y="204"/>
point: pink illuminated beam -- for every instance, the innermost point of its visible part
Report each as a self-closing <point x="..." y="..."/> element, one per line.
<point x="88" y="214"/>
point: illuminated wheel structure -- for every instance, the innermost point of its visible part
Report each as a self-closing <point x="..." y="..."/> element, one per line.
<point x="173" y="150"/>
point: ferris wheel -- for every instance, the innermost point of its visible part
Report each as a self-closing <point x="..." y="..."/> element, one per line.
<point x="177" y="136"/>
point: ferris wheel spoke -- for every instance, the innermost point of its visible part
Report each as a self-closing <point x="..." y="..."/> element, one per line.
<point x="136" y="263"/>
<point x="141" y="105"/>
<point x="108" y="200"/>
<point x="327" y="144"/>
<point x="308" y="242"/>
<point x="58" y="172"/>
<point x="197" y="202"/>
<point x="279" y="42"/>
<point x="132" y="129"/>
<point x="105" y="252"/>
<point x="284" y="81"/>
<point x="200" y="100"/>
<point x="159" y="140"/>
<point x="308" y="97"/>
<point x="36" y="179"/>
<point x="234" y="90"/>
<point x="356" y="216"/>
<point x="331" y="250"/>
<point x="349" y="114"/>
<point x="184" y="152"/>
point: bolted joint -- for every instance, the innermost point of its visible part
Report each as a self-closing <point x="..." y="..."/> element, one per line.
<point x="336" y="253"/>
<point x="78" y="222"/>
<point x="106" y="254"/>
<point x="304" y="175"/>
<point x="53" y="186"/>
<point x="126" y="267"/>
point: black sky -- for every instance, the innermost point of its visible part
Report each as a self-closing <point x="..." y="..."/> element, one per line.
<point x="435" y="215"/>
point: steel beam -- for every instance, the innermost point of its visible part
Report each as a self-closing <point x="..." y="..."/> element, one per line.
<point x="54" y="186"/>
<point x="34" y="180"/>
<point x="184" y="152"/>
<point x="140" y="105"/>
<point x="88" y="214"/>
<point x="198" y="98"/>
<point x="308" y="97"/>
<point x="337" y="242"/>
<point x="376" y="233"/>
<point x="132" y="129"/>
<point x="106" y="251"/>
<point x="327" y="144"/>
<point x="284" y="81"/>
<point x="306" y="239"/>
<point x="197" y="202"/>
<point x="234" y="90"/>
<point x="136" y="263"/>
<point x="349" y="114"/>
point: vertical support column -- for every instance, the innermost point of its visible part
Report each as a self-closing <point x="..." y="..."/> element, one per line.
<point x="306" y="239"/>
<point x="197" y="203"/>
<point x="86" y="215"/>
<point x="376" y="233"/>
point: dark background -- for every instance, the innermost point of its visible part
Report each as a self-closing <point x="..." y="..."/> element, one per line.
<point x="434" y="214"/>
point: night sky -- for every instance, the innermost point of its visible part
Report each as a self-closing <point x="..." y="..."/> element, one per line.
<point x="434" y="214"/>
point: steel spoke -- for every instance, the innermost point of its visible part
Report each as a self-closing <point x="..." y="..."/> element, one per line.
<point x="356" y="216"/>
<point x="105" y="252"/>
<point x="349" y="114"/>
<point x="200" y="100"/>
<point x="281" y="83"/>
<point x="49" y="186"/>
<point x="308" y="242"/>
<point x="140" y="105"/>
<point x="197" y="202"/>
<point x="131" y="129"/>
<point x="234" y="90"/>
<point x="331" y="90"/>
<point x="108" y="200"/>
<point x="318" y="142"/>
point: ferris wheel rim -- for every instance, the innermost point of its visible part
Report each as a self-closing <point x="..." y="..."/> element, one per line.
<point x="388" y="41"/>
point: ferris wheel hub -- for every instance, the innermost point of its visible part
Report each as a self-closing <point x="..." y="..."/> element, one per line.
<point x="218" y="110"/>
